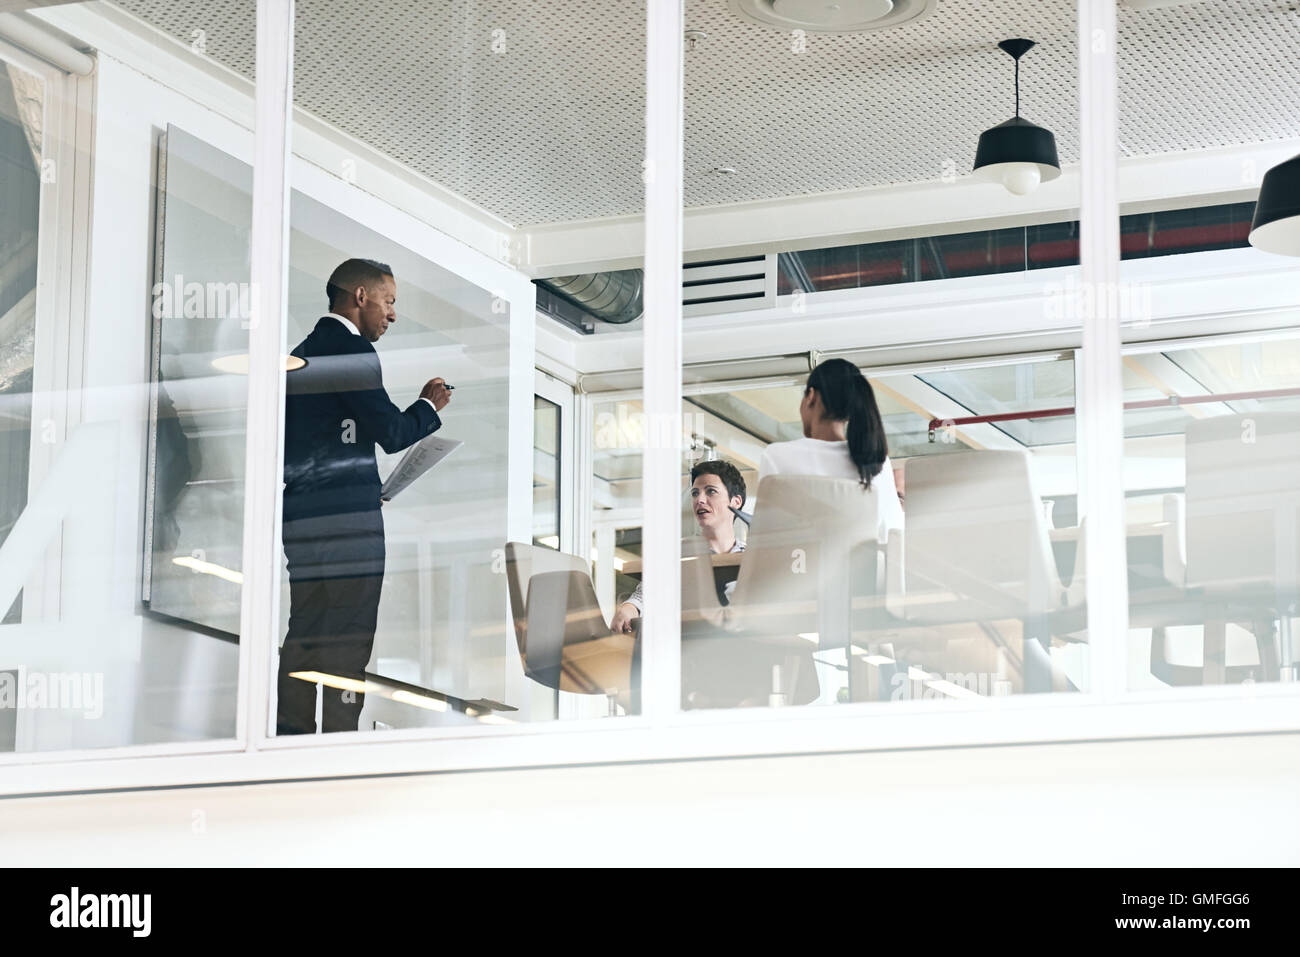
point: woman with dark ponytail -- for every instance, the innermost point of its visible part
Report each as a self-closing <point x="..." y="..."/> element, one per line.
<point x="843" y="437"/>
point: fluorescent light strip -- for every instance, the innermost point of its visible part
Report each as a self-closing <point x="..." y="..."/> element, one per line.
<point x="487" y="717"/>
<point x="208" y="568"/>
<point x="863" y="653"/>
<point x="950" y="689"/>
<point x="332" y="681"/>
<point x="856" y="650"/>
<point x="419" y="700"/>
<point x="364" y="687"/>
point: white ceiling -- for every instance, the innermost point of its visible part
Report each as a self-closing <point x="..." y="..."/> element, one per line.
<point x="550" y="129"/>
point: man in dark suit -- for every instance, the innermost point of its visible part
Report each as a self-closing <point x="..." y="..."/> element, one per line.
<point x="336" y="411"/>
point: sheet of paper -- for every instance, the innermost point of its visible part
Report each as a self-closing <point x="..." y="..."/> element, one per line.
<point x="419" y="458"/>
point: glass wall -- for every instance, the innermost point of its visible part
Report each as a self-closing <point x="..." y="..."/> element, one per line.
<point x="194" y="519"/>
<point x="904" y="535"/>
<point x="22" y="95"/>
<point x="618" y="432"/>
<point x="1211" y="424"/>
<point x="121" y="545"/>
<point x="931" y="413"/>
<point x="445" y="600"/>
<point x="1210" y="508"/>
<point x="855" y="526"/>
<point x="438" y="588"/>
<point x="546" y="472"/>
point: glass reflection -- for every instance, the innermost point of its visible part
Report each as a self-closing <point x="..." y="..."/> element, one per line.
<point x="391" y="592"/>
<point x="833" y="596"/>
<point x="546" y="473"/>
<point x="123" y="278"/>
<point x="462" y="169"/>
<point x="1211" y="504"/>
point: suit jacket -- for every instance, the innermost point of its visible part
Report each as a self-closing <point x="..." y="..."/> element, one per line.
<point x="336" y="411"/>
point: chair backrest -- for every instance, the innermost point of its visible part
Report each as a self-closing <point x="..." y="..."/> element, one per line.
<point x="976" y="543"/>
<point x="1243" y="489"/>
<point x="797" y="573"/>
<point x="563" y="636"/>
<point x="701" y="609"/>
<point x="523" y="563"/>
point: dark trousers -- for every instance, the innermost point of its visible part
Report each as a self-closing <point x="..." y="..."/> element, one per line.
<point x="331" y="630"/>
<point x="336" y="572"/>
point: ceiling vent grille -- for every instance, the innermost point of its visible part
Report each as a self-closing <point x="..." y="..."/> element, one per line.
<point x="604" y="301"/>
<point x="728" y="285"/>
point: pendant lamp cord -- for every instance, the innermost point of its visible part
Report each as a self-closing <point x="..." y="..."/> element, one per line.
<point x="1017" y="86"/>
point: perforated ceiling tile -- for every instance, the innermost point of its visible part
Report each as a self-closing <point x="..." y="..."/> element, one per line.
<point x="543" y="122"/>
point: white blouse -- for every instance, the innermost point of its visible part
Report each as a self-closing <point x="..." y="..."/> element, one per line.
<point x="832" y="460"/>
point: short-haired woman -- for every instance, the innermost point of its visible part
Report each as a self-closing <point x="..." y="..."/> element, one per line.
<point x="716" y="487"/>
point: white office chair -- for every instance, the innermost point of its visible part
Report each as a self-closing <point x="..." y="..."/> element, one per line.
<point x="811" y="547"/>
<point x="709" y="652"/>
<point x="564" y="640"/>
<point x="702" y="610"/>
<point x="1243" y="533"/>
<point x="1158" y="601"/>
<point x="976" y="550"/>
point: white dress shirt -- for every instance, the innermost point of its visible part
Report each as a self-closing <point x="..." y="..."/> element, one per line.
<point x="347" y="324"/>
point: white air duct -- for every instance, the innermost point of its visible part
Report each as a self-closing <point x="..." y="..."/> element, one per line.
<point x="39" y="41"/>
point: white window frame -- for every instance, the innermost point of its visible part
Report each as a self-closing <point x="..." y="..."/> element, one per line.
<point x="67" y="130"/>
<point x="663" y="732"/>
<point x="560" y="394"/>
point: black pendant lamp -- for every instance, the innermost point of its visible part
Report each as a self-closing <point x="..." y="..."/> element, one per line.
<point x="1276" y="227"/>
<point x="1017" y="154"/>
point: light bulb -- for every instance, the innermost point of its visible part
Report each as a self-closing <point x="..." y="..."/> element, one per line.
<point x="1021" y="178"/>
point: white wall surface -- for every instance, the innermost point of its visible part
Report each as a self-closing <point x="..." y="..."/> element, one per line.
<point x="1205" y="802"/>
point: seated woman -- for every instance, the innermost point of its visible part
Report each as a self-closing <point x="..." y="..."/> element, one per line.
<point x="844" y="437"/>
<point x="716" y="487"/>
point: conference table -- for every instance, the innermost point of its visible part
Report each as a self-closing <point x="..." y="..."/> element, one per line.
<point x="1145" y="544"/>
<point x="1154" y="601"/>
<point x="726" y="566"/>
<point x="1149" y="588"/>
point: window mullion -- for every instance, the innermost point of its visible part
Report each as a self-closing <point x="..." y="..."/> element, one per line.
<point x="1100" y="415"/>
<point x="260" y="599"/>
<point x="662" y="376"/>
